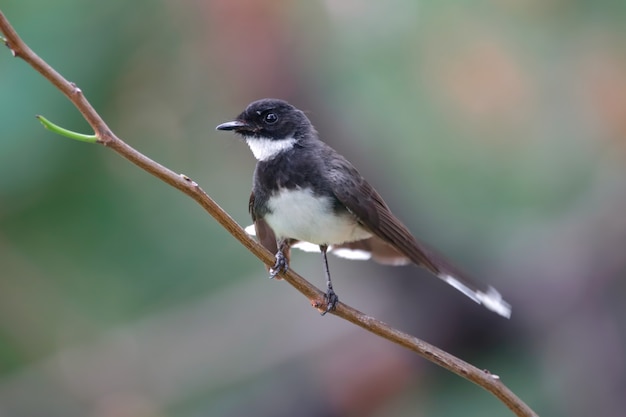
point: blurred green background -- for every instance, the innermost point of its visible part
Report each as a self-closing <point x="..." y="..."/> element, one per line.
<point x="495" y="129"/>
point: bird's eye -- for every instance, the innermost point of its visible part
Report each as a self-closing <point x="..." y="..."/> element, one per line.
<point x="270" y="118"/>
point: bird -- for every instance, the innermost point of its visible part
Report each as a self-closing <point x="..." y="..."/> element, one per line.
<point x="305" y="194"/>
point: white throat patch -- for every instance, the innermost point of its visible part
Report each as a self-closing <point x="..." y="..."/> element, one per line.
<point x="265" y="149"/>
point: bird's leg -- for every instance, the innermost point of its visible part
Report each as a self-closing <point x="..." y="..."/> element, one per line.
<point x="282" y="258"/>
<point x="330" y="297"/>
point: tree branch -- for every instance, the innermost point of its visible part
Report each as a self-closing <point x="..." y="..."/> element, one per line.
<point x="106" y="137"/>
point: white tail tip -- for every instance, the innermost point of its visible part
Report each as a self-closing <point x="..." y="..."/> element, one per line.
<point x="491" y="299"/>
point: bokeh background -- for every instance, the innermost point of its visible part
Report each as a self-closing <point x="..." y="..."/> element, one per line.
<point x="495" y="129"/>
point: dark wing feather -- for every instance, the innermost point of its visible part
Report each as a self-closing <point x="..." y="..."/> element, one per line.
<point x="264" y="232"/>
<point x="360" y="198"/>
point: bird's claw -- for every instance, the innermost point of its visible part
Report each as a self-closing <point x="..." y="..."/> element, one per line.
<point x="331" y="300"/>
<point x="281" y="265"/>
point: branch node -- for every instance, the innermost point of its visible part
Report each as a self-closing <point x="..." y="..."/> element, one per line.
<point x="492" y="376"/>
<point x="7" y="43"/>
<point x="189" y="180"/>
<point x="320" y="305"/>
<point x="77" y="89"/>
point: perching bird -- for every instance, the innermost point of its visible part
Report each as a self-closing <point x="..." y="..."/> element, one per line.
<point x="305" y="192"/>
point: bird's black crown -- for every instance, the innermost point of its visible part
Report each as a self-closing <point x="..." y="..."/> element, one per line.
<point x="269" y="118"/>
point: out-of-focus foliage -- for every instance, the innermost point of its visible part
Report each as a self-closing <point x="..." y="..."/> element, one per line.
<point x="496" y="130"/>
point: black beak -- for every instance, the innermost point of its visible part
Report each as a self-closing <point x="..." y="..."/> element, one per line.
<point x="234" y="125"/>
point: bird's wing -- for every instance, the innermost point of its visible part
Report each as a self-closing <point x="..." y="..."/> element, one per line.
<point x="361" y="199"/>
<point x="264" y="232"/>
<point x="371" y="211"/>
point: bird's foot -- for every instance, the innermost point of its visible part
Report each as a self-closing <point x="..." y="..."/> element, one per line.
<point x="281" y="265"/>
<point x="331" y="300"/>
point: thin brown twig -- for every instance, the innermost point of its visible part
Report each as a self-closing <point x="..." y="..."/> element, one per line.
<point x="106" y="137"/>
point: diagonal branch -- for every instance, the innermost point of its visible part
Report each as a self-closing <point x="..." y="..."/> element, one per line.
<point x="106" y="137"/>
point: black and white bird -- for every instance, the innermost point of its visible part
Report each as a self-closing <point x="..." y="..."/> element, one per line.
<point x="306" y="194"/>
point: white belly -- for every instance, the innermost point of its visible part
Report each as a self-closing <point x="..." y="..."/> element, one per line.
<point x="297" y="214"/>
